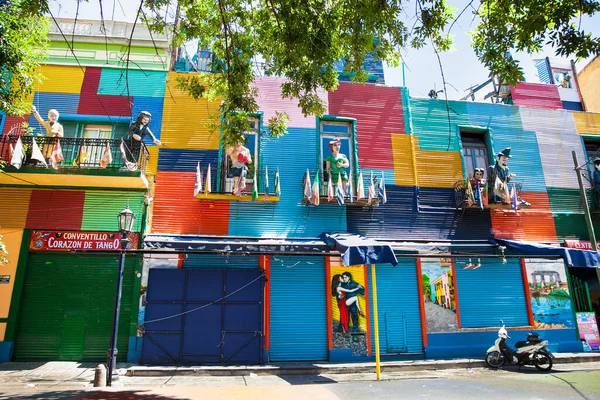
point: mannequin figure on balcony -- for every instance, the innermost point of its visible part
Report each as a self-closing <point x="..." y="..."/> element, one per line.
<point x="336" y="163"/>
<point x="240" y="156"/>
<point x="498" y="177"/>
<point x="137" y="132"/>
<point x="52" y="126"/>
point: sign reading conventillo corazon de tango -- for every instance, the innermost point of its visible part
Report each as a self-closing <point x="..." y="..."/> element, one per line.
<point x="67" y="241"/>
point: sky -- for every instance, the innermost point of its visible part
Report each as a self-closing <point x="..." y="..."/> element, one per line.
<point x="422" y="71"/>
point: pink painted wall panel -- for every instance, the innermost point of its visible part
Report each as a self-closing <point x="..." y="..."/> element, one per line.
<point x="536" y="95"/>
<point x="270" y="101"/>
<point x="378" y="113"/>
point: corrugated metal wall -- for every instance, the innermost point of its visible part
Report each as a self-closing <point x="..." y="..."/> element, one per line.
<point x="15" y="207"/>
<point x="298" y="320"/>
<point x="54" y="209"/>
<point x="61" y="79"/>
<point x="134" y="83"/>
<point x="398" y="305"/>
<point x="536" y="95"/>
<point x="492" y="292"/>
<point x="218" y="261"/>
<point x="101" y="209"/>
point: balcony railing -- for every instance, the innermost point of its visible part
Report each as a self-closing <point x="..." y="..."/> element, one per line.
<point x="356" y="201"/>
<point x="464" y="200"/>
<point x="221" y="185"/>
<point x="72" y="148"/>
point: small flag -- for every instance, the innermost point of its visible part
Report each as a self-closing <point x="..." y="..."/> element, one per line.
<point x="382" y="192"/>
<point x="360" y="190"/>
<point x="470" y="195"/>
<point x="12" y="150"/>
<point x="277" y="184"/>
<point x="106" y="157"/>
<point x="513" y="197"/>
<point x="339" y="191"/>
<point x="254" y="187"/>
<point x="349" y="189"/>
<point x="372" y="193"/>
<point x="18" y="155"/>
<point x="330" y="193"/>
<point x="207" y="182"/>
<point x="36" y="153"/>
<point x="198" y="184"/>
<point x="266" y="181"/>
<point x="131" y="166"/>
<point x="57" y="155"/>
<point x="82" y="156"/>
<point x="316" y="196"/>
<point x="478" y="195"/>
<point x="307" y="189"/>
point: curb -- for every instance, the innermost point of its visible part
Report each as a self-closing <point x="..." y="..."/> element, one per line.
<point x="317" y="369"/>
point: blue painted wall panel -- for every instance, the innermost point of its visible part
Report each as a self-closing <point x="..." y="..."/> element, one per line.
<point x="219" y="261"/>
<point x="154" y="105"/>
<point x="187" y="160"/>
<point x="430" y="123"/>
<point x="492" y="292"/>
<point x="135" y="83"/>
<point x="64" y="103"/>
<point x="298" y="320"/>
<point x="398" y="304"/>
<point x="293" y="154"/>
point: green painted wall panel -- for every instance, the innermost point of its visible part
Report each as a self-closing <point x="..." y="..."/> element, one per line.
<point x="141" y="83"/>
<point x="100" y="210"/>
<point x="430" y="123"/>
<point x="68" y="306"/>
<point x="564" y="200"/>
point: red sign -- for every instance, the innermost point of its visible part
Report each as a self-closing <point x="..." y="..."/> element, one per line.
<point x="579" y="244"/>
<point x="68" y="241"/>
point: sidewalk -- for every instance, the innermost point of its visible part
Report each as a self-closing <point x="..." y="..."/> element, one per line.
<point x="307" y="368"/>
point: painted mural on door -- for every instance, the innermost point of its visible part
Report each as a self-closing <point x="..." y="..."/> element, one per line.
<point x="438" y="295"/>
<point x="349" y="308"/>
<point x="550" y="296"/>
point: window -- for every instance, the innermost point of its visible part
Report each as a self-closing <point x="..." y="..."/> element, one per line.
<point x="562" y="77"/>
<point x="252" y="143"/>
<point x="337" y="128"/>
<point x="97" y="131"/>
<point x="475" y="151"/>
<point x="592" y="149"/>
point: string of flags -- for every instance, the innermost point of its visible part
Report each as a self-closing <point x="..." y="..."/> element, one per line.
<point x="203" y="183"/>
<point x="343" y="191"/>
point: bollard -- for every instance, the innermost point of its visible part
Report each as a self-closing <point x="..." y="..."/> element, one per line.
<point x="100" y="376"/>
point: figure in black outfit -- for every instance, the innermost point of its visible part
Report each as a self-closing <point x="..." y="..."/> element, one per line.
<point x="353" y="289"/>
<point x="137" y="132"/>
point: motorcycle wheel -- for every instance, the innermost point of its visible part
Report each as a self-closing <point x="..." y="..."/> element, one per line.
<point x="542" y="361"/>
<point x="494" y="359"/>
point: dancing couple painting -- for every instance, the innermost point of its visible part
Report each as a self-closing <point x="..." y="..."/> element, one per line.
<point x="346" y="291"/>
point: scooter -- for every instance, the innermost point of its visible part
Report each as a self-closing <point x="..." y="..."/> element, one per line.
<point x="530" y="352"/>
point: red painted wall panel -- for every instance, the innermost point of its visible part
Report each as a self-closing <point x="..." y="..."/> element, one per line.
<point x="536" y="95"/>
<point x="534" y="224"/>
<point x="96" y="104"/>
<point x="177" y="211"/>
<point x="55" y="209"/>
<point x="12" y="121"/>
<point x="378" y="113"/>
<point x="91" y="80"/>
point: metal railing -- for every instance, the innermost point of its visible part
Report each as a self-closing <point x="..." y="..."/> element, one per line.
<point x="221" y="182"/>
<point x="323" y="187"/>
<point x="137" y="157"/>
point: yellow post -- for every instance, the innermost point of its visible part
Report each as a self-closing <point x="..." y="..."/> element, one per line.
<point x="376" y="320"/>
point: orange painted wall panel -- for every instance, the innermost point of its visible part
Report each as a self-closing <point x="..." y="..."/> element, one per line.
<point x="534" y="224"/>
<point x="12" y="238"/>
<point x="177" y="211"/>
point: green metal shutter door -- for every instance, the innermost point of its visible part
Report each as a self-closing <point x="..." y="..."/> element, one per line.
<point x="67" y="307"/>
<point x="298" y="310"/>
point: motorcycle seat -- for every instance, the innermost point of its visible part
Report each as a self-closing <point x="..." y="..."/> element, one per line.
<point x="522" y="343"/>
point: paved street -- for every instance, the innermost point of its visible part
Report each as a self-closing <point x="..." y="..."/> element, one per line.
<point x="73" y="381"/>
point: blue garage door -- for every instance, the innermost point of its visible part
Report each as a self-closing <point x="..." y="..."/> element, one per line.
<point x="204" y="316"/>
<point x="298" y="309"/>
<point x="398" y="306"/>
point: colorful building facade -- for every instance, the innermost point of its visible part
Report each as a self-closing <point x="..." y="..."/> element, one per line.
<point x="228" y="280"/>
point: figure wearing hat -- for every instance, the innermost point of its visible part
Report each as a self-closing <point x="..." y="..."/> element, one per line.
<point x="137" y="132"/>
<point x="336" y="162"/>
<point x="498" y="177"/>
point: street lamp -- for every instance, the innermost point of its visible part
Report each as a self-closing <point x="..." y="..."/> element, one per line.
<point x="126" y="221"/>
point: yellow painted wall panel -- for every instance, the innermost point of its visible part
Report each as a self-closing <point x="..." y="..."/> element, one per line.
<point x="589" y="82"/>
<point x="438" y="169"/>
<point x="404" y="171"/>
<point x="152" y="165"/>
<point x="587" y="123"/>
<point x="185" y="119"/>
<point x="2" y="331"/>
<point x="60" y="79"/>
<point x="15" y="205"/>
<point x="12" y="239"/>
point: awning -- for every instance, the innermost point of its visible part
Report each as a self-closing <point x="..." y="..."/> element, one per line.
<point x="357" y="250"/>
<point x="240" y="245"/>
<point x="572" y="257"/>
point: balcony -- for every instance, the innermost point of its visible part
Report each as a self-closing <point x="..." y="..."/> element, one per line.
<point x="363" y="201"/>
<point x="88" y="173"/>
<point x="463" y="200"/>
<point x="222" y="188"/>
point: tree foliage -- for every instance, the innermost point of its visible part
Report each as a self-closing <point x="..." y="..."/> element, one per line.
<point x="23" y="43"/>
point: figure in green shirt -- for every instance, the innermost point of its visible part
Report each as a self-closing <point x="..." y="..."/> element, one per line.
<point x="337" y="162"/>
